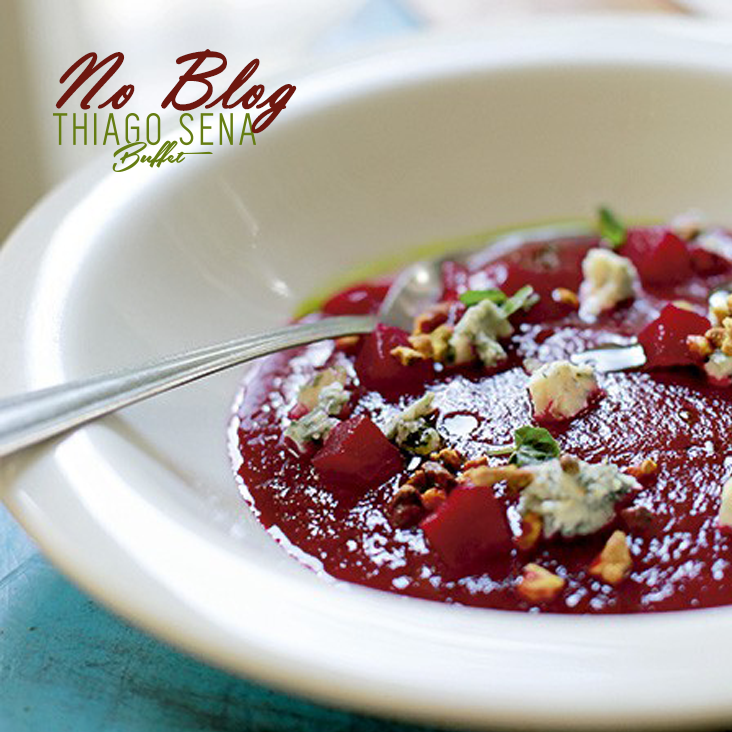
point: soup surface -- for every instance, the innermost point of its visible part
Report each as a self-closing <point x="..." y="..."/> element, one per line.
<point x="517" y="480"/>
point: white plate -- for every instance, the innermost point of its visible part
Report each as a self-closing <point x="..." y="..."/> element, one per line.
<point x="444" y="137"/>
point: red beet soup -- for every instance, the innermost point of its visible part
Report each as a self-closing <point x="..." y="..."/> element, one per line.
<point x="474" y="461"/>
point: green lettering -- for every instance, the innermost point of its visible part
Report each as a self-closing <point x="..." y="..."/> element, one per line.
<point x="110" y="120"/>
<point x="135" y="128"/>
<point x="59" y="115"/>
<point x="147" y="129"/>
<point x="223" y="128"/>
<point x="182" y="124"/>
<point x="244" y="132"/>
<point x="130" y="150"/>
<point x="76" y="127"/>
<point x="205" y="127"/>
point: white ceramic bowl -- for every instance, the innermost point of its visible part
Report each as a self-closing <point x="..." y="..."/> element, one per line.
<point x="445" y="137"/>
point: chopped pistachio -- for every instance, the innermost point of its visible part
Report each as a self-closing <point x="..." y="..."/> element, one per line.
<point x="688" y="224"/>
<point x="614" y="561"/>
<point x="538" y="584"/>
<point x="720" y="306"/>
<point x="530" y="532"/>
<point x="565" y="296"/>
<point x="645" y="469"/>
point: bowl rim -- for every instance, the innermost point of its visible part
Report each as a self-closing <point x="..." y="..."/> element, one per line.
<point x="387" y="670"/>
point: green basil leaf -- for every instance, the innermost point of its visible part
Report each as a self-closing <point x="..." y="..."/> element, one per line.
<point x="612" y="229"/>
<point x="500" y="450"/>
<point x="473" y="297"/>
<point x="523" y="299"/>
<point x="533" y="445"/>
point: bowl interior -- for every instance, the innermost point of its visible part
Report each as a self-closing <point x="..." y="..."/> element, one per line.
<point x="447" y="139"/>
<point x="235" y="247"/>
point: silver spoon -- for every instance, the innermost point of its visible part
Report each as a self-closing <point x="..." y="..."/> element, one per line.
<point x="28" y="419"/>
<point x="612" y="357"/>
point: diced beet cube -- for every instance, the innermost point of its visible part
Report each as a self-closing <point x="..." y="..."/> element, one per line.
<point x="708" y="263"/>
<point x="469" y="529"/>
<point x="545" y="268"/>
<point x="356" y="456"/>
<point x="664" y="339"/>
<point x="358" y="300"/>
<point x="445" y="312"/>
<point x="379" y="370"/>
<point x="659" y="255"/>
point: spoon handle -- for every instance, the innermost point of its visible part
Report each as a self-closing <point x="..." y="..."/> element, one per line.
<point x="28" y="419"/>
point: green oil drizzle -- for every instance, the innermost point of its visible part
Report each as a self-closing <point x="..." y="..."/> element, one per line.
<point x="409" y="254"/>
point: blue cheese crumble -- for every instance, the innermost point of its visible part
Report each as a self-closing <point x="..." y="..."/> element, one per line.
<point x="313" y="427"/>
<point x="412" y="429"/>
<point x="478" y="332"/>
<point x="560" y="390"/>
<point x="316" y="425"/>
<point x="309" y="393"/>
<point x="333" y="398"/>
<point x="608" y="280"/>
<point x="574" y="499"/>
<point x="719" y="367"/>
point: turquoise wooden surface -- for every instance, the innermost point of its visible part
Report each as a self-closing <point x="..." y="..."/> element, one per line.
<point x="67" y="665"/>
